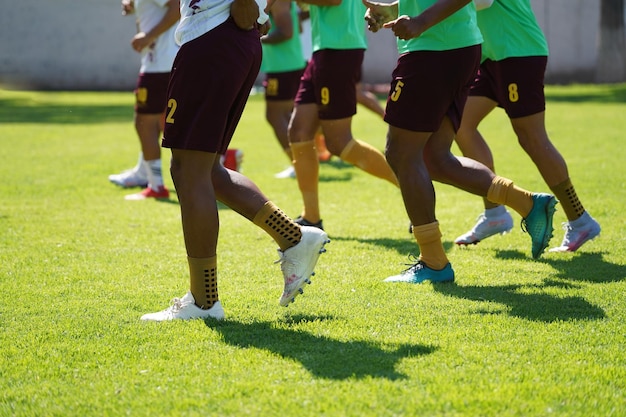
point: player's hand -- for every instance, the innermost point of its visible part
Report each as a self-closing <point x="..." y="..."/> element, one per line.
<point x="264" y="28"/>
<point x="377" y="14"/>
<point x="405" y="27"/>
<point x="140" y="41"/>
<point x="245" y="13"/>
<point x="128" y="7"/>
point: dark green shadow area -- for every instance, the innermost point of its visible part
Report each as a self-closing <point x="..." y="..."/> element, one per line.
<point x="336" y="171"/>
<point x="578" y="267"/>
<point x="404" y="247"/>
<point x="14" y="110"/>
<point x="541" y="307"/>
<point x="535" y="305"/>
<point x="322" y="356"/>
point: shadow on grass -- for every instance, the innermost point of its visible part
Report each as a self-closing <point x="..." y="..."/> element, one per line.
<point x="14" y="110"/>
<point x="404" y="247"/>
<point x="320" y="355"/>
<point x="587" y="267"/>
<point x="341" y="171"/>
<point x="528" y="302"/>
<point x="608" y="94"/>
<point x="527" y="305"/>
<point x="580" y="266"/>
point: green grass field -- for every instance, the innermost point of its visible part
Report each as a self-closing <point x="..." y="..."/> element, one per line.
<point x="511" y="337"/>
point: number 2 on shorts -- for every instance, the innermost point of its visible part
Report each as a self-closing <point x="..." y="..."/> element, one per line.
<point x="171" y="105"/>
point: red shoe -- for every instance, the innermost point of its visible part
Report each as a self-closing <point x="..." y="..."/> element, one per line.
<point x="161" y="193"/>
<point x="232" y="159"/>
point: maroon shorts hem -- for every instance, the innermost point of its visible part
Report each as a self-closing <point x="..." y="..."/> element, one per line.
<point x="516" y="84"/>
<point x="211" y="80"/>
<point x="430" y="85"/>
<point x="329" y="80"/>
<point x="151" y="92"/>
<point x="281" y="86"/>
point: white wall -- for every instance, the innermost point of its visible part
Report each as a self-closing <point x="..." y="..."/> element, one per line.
<point x="572" y="28"/>
<point x="62" y="44"/>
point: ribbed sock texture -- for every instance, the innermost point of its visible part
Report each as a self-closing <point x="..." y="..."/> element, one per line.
<point x="566" y="194"/>
<point x="281" y="228"/>
<point x="203" y="281"/>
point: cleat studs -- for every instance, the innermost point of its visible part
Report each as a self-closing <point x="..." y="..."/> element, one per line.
<point x="300" y="290"/>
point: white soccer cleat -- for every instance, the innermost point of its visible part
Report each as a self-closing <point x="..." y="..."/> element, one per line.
<point x="485" y="227"/>
<point x="130" y="178"/>
<point x="286" y="173"/>
<point x="297" y="263"/>
<point x="186" y="309"/>
<point x="577" y="233"/>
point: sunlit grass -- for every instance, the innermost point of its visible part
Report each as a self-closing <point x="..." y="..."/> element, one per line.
<point x="512" y="337"/>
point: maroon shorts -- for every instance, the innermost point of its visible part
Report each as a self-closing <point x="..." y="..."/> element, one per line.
<point x="426" y="86"/>
<point x="516" y="84"/>
<point x="282" y="85"/>
<point x="151" y="92"/>
<point x="329" y="80"/>
<point x="210" y="84"/>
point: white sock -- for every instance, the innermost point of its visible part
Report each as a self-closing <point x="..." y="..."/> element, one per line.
<point x="140" y="167"/>
<point x="495" y="212"/>
<point x="581" y="221"/>
<point x="155" y="178"/>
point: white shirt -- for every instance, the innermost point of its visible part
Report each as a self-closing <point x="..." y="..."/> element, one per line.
<point x="197" y="17"/>
<point x="159" y="56"/>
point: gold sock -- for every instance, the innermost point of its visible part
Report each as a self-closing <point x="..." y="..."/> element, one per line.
<point x="203" y="281"/>
<point x="307" y="166"/>
<point x="369" y="159"/>
<point x="566" y="194"/>
<point x="320" y="144"/>
<point x="503" y="191"/>
<point x="281" y="228"/>
<point x="428" y="237"/>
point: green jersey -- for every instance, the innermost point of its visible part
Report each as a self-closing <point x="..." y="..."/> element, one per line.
<point x="510" y="30"/>
<point x="456" y="31"/>
<point x="284" y="56"/>
<point x="338" y="27"/>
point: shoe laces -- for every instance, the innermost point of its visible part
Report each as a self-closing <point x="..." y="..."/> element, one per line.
<point x="567" y="227"/>
<point x="176" y="304"/>
<point x="523" y="226"/>
<point x="283" y="260"/>
<point x="414" y="264"/>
